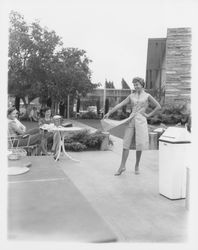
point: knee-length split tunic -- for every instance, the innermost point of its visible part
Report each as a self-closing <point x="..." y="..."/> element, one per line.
<point x="136" y="133"/>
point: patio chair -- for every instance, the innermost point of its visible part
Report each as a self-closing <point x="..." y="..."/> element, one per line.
<point x="13" y="144"/>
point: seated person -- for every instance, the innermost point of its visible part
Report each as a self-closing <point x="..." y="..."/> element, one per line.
<point x="49" y="136"/>
<point x="34" y="115"/>
<point x="16" y="128"/>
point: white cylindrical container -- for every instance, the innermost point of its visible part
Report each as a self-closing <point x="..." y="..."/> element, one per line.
<point x="174" y="147"/>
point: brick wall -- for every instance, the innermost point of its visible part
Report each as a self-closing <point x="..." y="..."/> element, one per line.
<point x="178" y="65"/>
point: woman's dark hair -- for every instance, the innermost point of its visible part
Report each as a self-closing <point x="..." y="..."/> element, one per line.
<point x="10" y="110"/>
<point x="43" y="110"/>
<point x="140" y="80"/>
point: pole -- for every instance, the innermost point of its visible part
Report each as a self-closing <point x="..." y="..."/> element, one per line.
<point x="104" y="98"/>
<point x="68" y="107"/>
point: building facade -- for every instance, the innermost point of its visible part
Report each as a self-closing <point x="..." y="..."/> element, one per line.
<point x="168" y="71"/>
<point x="169" y="65"/>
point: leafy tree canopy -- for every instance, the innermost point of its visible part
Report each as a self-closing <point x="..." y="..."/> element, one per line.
<point x="39" y="65"/>
<point x="124" y="84"/>
<point x="109" y="84"/>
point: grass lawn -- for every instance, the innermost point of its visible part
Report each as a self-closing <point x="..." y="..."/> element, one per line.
<point x="30" y="125"/>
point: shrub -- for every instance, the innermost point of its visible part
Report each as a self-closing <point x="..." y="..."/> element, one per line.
<point x="84" y="140"/>
<point x="75" y="146"/>
<point x="89" y="115"/>
<point x="93" y="141"/>
<point x="78" y="136"/>
<point x="154" y="120"/>
<point x="170" y="114"/>
<point x="119" y="115"/>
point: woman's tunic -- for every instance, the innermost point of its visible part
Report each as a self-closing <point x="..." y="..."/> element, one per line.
<point x="136" y="133"/>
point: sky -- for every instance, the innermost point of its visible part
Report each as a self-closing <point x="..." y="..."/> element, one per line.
<point x="113" y="33"/>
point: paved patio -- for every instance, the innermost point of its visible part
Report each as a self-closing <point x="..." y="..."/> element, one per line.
<point x="129" y="204"/>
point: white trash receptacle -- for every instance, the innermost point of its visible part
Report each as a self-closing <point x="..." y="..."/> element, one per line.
<point x="174" y="149"/>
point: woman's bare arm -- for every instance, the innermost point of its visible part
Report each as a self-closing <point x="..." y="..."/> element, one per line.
<point x="118" y="106"/>
<point x="156" y="104"/>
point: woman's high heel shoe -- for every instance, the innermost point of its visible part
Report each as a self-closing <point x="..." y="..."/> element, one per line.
<point x="120" y="171"/>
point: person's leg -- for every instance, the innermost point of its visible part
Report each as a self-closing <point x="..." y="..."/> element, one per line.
<point x="122" y="168"/>
<point x="33" y="131"/>
<point x="56" y="142"/>
<point x="138" y="156"/>
<point x="49" y="140"/>
<point x="33" y="140"/>
<point x="128" y="137"/>
<point x="43" y="145"/>
<point x="125" y="153"/>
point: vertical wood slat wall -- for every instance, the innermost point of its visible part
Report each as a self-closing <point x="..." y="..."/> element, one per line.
<point x="178" y="65"/>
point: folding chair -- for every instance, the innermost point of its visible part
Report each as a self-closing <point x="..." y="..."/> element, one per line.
<point x="13" y="145"/>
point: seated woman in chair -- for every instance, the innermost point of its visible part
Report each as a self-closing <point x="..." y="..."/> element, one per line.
<point x="16" y="128"/>
<point x="49" y="137"/>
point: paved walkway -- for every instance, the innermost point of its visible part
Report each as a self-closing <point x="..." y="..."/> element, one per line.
<point x="130" y="204"/>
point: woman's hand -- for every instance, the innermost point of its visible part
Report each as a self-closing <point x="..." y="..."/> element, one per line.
<point x="106" y="116"/>
<point x="145" y="115"/>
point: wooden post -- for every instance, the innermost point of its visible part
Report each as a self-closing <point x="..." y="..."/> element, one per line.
<point x="187" y="188"/>
<point x="104" y="98"/>
<point x="153" y="141"/>
<point x="68" y="107"/>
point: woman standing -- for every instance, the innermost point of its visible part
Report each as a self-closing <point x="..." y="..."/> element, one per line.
<point x="136" y="133"/>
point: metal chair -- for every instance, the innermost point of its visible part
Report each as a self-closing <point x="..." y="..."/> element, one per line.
<point x="13" y="144"/>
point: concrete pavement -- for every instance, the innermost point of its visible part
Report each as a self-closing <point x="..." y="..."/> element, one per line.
<point x="130" y="204"/>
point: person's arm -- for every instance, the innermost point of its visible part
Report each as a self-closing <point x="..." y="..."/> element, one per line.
<point x="20" y="125"/>
<point x="155" y="103"/>
<point x="14" y="126"/>
<point x="118" y="106"/>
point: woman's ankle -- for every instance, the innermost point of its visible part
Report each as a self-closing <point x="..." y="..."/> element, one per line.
<point x="122" y="166"/>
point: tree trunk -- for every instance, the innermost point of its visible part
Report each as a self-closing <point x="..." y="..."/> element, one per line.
<point x="17" y="103"/>
<point x="53" y="107"/>
<point x="49" y="102"/>
<point x="106" y="106"/>
<point x="62" y="108"/>
<point x="71" y="108"/>
<point x="25" y="105"/>
<point x="98" y="106"/>
<point x="65" y="108"/>
<point x="78" y="105"/>
<point x="56" y="109"/>
<point x="24" y="102"/>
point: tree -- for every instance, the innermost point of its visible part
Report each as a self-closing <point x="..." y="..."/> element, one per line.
<point x="78" y="105"/>
<point x="70" y="75"/>
<point x="31" y="48"/>
<point x="19" y="44"/>
<point x="39" y="66"/>
<point x="109" y="85"/>
<point x="124" y="84"/>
